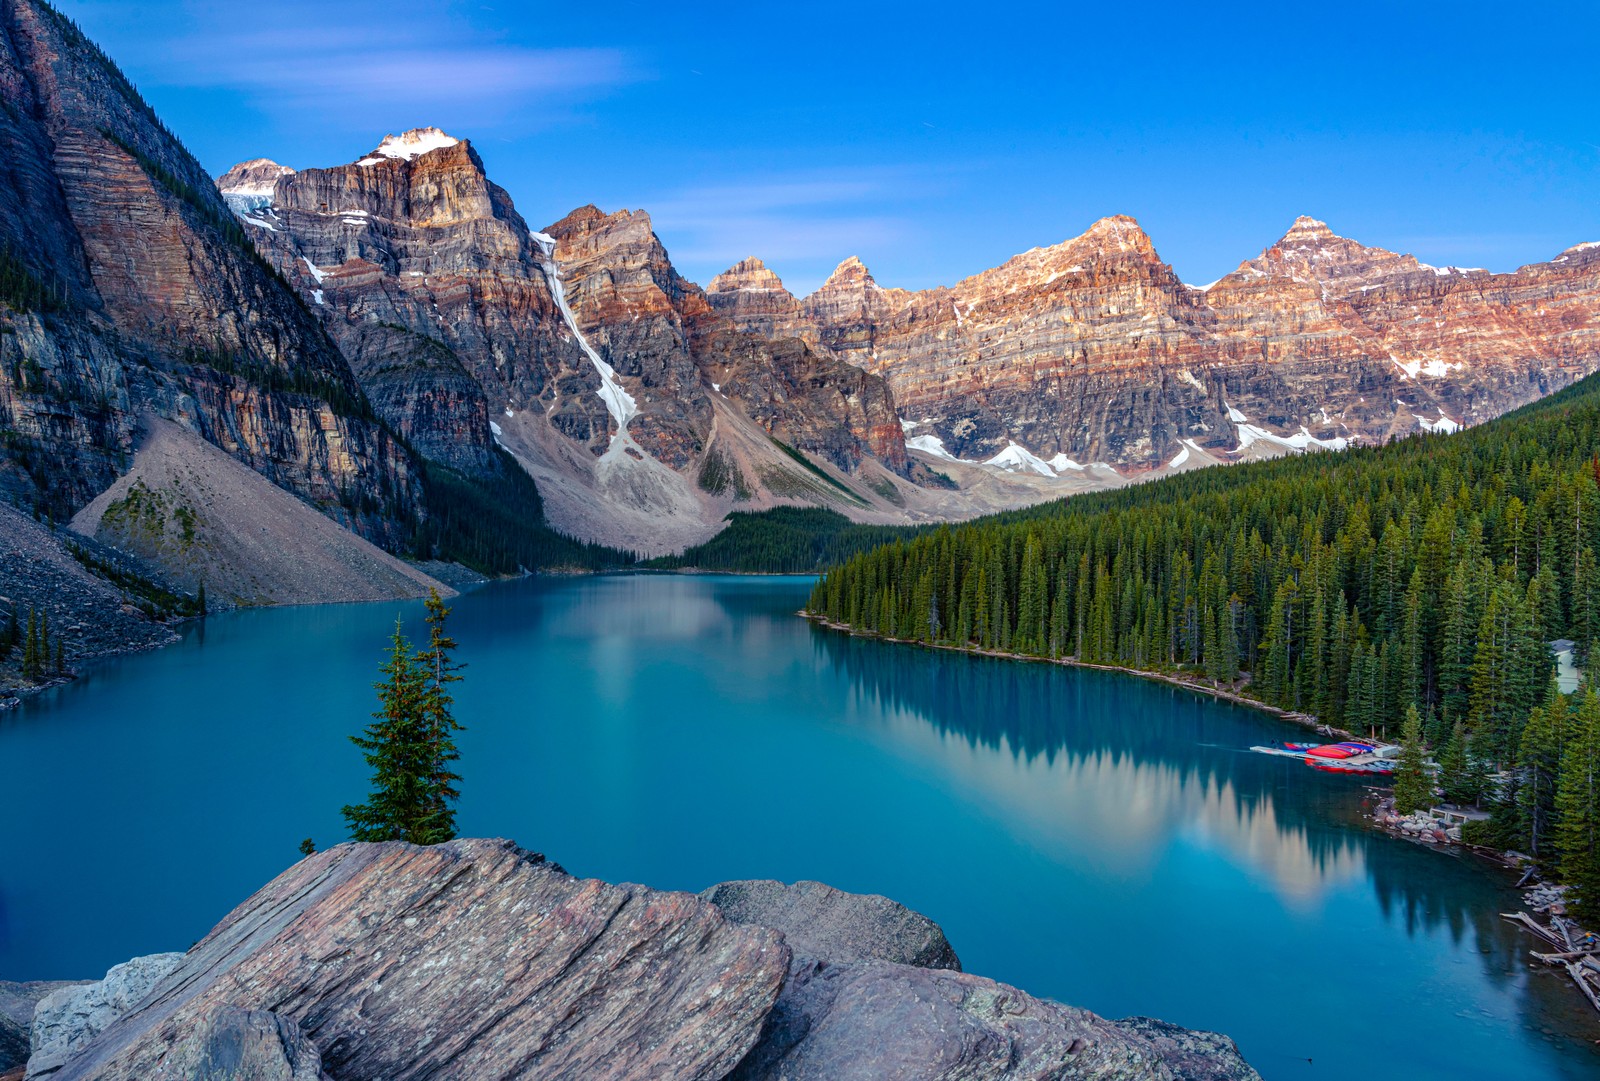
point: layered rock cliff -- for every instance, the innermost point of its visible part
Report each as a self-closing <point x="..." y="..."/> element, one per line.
<point x="473" y="959"/>
<point x="1093" y="350"/>
<point x="130" y="287"/>
<point x="642" y="413"/>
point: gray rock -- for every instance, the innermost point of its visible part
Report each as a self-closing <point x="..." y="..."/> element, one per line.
<point x="465" y="960"/>
<point x="69" y="1017"/>
<point x="874" y="1021"/>
<point x="245" y="1045"/>
<point x="1192" y="1055"/>
<point x="17" y="1001"/>
<point x="820" y="921"/>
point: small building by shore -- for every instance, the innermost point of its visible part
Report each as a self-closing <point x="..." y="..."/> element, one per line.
<point x="1568" y="675"/>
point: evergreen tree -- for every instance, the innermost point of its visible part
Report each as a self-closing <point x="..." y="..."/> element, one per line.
<point x="1539" y="766"/>
<point x="1455" y="768"/>
<point x="439" y="782"/>
<point x="308" y="847"/>
<point x="1413" y="788"/>
<point x="1577" y="834"/>
<point x="394" y="747"/>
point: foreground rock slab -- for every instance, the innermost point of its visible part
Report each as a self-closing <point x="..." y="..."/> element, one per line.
<point x="875" y="1021"/>
<point x="471" y="959"/>
<point x="820" y="921"/>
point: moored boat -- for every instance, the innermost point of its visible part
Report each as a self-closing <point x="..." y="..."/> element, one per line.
<point x="1348" y="756"/>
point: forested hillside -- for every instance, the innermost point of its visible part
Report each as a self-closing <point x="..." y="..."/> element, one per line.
<point x="1433" y="571"/>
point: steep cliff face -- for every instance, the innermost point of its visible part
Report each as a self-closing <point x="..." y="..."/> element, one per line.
<point x="136" y="290"/>
<point x="651" y="323"/>
<point x="433" y="288"/>
<point x="580" y="348"/>
<point x="1093" y="350"/>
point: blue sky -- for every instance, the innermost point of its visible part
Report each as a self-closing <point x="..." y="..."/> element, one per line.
<point x="932" y="140"/>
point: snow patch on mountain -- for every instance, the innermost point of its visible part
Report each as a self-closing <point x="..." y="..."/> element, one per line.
<point x="619" y="403"/>
<point x="1016" y="459"/>
<point x="409" y="145"/>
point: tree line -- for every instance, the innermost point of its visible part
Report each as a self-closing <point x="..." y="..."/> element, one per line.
<point x="1429" y="573"/>
<point x="783" y="540"/>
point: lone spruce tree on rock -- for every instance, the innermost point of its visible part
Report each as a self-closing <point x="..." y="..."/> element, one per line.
<point x="410" y="744"/>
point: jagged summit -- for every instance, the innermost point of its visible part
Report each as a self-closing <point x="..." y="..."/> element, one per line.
<point x="409" y="145"/>
<point x="749" y="274"/>
<point x="1307" y="224"/>
<point x="851" y="272"/>
<point x="1114" y="234"/>
<point x="253" y="179"/>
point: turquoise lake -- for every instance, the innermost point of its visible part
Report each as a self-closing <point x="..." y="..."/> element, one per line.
<point x="1091" y="837"/>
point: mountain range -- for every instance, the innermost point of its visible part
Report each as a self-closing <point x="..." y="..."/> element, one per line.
<point x="391" y="345"/>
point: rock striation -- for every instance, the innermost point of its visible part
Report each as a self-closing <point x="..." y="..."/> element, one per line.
<point x="468" y="959"/>
<point x="754" y="298"/>
<point x="579" y="348"/>
<point x="1092" y="350"/>
<point x="134" y="289"/>
<point x="474" y="959"/>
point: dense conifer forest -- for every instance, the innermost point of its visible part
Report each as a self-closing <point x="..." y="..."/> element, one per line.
<point x="1431" y="572"/>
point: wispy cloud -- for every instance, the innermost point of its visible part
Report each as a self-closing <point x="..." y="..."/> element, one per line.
<point x="360" y="63"/>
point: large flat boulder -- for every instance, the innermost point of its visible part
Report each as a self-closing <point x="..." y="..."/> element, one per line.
<point x="469" y="959"/>
<point x="875" y="1021"/>
<point x="820" y="921"/>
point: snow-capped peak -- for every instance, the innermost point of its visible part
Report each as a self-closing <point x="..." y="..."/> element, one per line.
<point x="252" y="179"/>
<point x="409" y="145"/>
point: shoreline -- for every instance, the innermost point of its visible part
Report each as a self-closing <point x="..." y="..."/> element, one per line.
<point x="1304" y="720"/>
<point x="1439" y="843"/>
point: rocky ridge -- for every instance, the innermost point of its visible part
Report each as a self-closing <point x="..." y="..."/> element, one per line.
<point x="476" y="959"/>
<point x="138" y="291"/>
<point x="1092" y="350"/>
<point x="642" y="412"/>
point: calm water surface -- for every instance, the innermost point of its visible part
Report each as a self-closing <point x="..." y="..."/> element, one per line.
<point x="1099" y="839"/>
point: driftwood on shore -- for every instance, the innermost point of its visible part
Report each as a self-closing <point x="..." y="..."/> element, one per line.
<point x="1581" y="963"/>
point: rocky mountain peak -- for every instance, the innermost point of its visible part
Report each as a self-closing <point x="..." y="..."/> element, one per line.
<point x="255" y="177"/>
<point x="1312" y="253"/>
<point x="409" y="145"/>
<point x="1307" y="227"/>
<point x="1119" y="234"/>
<point x="749" y="275"/>
<point x="850" y="272"/>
